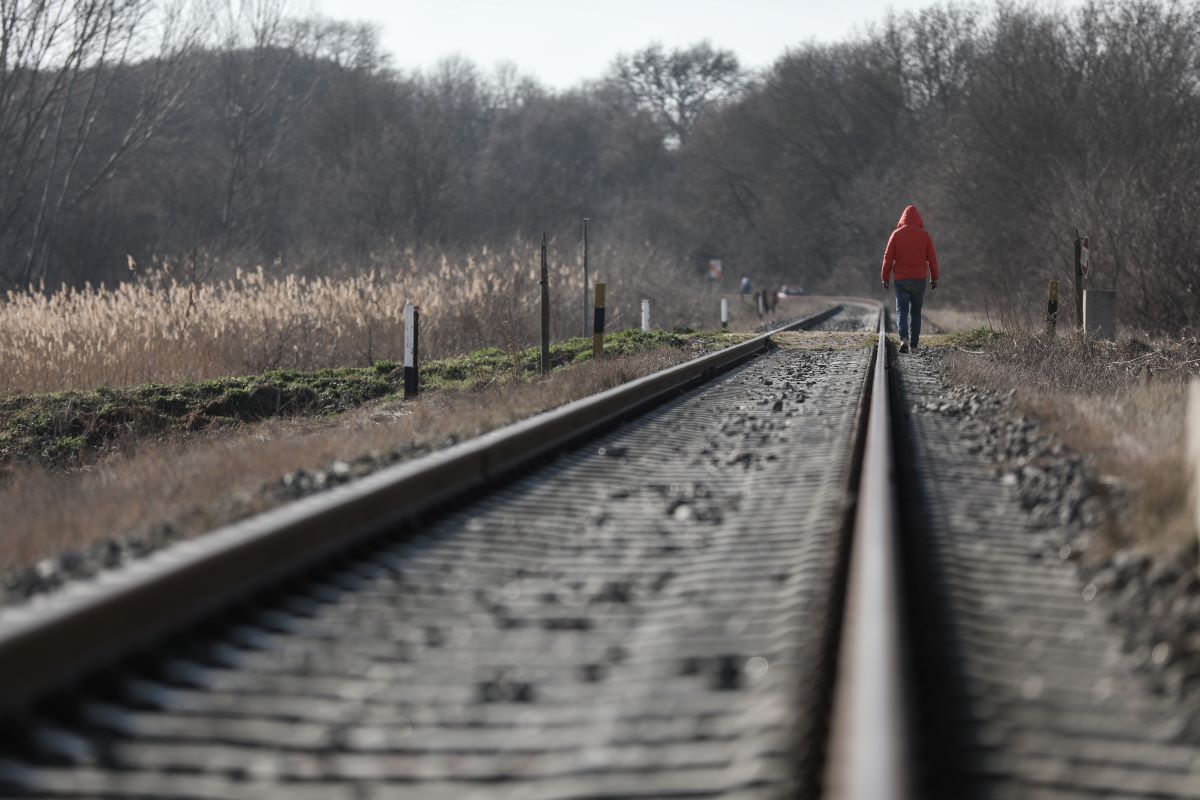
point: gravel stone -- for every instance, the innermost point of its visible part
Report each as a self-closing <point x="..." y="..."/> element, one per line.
<point x="1065" y="677"/>
<point x="1149" y="601"/>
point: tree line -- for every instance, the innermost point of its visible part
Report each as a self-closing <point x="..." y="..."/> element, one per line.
<point x="235" y="133"/>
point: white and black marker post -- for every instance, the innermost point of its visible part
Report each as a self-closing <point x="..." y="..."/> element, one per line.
<point x="724" y="313"/>
<point x="411" y="328"/>
<point x="646" y="316"/>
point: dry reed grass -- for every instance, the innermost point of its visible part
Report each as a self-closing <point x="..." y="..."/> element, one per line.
<point x="167" y="327"/>
<point x="219" y="477"/>
<point x="1098" y="399"/>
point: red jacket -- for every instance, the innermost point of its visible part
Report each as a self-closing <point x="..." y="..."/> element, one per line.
<point x="908" y="250"/>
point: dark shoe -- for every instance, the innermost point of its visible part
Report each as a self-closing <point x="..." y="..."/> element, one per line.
<point x="903" y="346"/>
<point x="914" y="347"/>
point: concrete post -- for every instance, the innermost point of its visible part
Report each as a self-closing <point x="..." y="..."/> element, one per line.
<point x="1100" y="313"/>
<point x="724" y="313"/>
<point x="646" y="316"/>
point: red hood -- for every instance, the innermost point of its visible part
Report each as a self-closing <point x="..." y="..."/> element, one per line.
<point x="911" y="217"/>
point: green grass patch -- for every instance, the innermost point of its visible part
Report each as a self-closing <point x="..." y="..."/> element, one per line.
<point x="63" y="429"/>
<point x="493" y="364"/>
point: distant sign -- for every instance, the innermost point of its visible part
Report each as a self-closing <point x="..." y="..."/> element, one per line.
<point x="714" y="269"/>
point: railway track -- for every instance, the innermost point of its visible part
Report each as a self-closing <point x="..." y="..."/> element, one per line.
<point x="707" y="583"/>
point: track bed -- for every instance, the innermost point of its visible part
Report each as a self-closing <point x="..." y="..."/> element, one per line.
<point x="649" y="616"/>
<point x="662" y="610"/>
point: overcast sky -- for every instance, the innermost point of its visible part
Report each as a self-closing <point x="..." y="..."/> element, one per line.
<point x="564" y="42"/>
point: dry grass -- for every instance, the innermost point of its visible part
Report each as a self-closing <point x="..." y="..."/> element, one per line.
<point x="1097" y="399"/>
<point x="164" y="328"/>
<point x="957" y="320"/>
<point x="219" y="477"/>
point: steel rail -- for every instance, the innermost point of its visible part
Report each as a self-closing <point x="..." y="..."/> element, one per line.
<point x="868" y="754"/>
<point x="51" y="641"/>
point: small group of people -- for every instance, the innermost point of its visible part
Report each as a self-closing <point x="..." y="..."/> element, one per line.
<point x="910" y="260"/>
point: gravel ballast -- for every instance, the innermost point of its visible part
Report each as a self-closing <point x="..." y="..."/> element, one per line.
<point x="1034" y="677"/>
<point x="1153" y="600"/>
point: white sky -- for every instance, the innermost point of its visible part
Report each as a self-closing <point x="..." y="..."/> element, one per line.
<point x="562" y="43"/>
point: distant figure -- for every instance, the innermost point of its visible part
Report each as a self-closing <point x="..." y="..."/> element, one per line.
<point x="911" y="257"/>
<point x="745" y="286"/>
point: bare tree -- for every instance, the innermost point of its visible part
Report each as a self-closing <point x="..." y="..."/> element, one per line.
<point x="680" y="85"/>
<point x="60" y="61"/>
<point x="262" y="90"/>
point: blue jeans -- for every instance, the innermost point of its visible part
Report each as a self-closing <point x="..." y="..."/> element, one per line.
<point x="909" y="294"/>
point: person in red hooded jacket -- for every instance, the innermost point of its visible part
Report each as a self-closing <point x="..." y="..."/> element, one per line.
<point x="910" y="259"/>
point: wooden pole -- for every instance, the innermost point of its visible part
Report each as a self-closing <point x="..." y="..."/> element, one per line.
<point x="412" y="385"/>
<point x="585" y="277"/>
<point x="545" y="284"/>
<point x="598" y="323"/>
<point x="1052" y="308"/>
